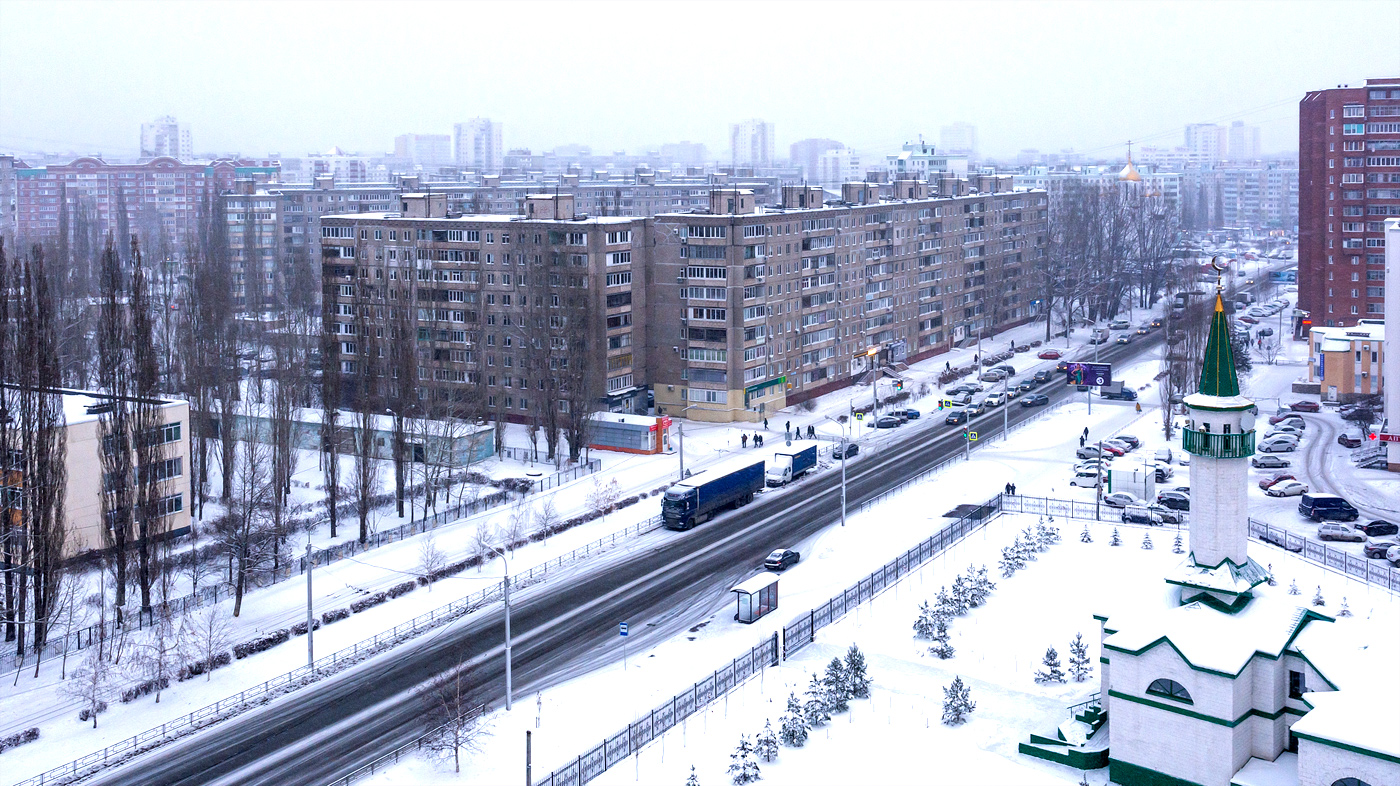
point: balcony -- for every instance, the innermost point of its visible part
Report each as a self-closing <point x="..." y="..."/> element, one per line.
<point x="1221" y="446"/>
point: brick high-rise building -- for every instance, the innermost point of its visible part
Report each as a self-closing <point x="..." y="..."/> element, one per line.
<point x="1348" y="183"/>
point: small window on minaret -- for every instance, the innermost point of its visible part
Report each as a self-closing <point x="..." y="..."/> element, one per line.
<point x="1297" y="685"/>
<point x="1227" y="428"/>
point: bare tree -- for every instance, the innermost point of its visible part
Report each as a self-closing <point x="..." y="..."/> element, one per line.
<point x="403" y="376"/>
<point x="115" y="423"/>
<point x="547" y="517"/>
<point x="330" y="416"/>
<point x="204" y="636"/>
<point x="157" y="653"/>
<point x="91" y="683"/>
<point x="580" y="378"/>
<point x="150" y="470"/>
<point x="450" y="712"/>
<point x="430" y="560"/>
<point x="245" y="533"/>
<point x="517" y="523"/>
<point x="365" y="481"/>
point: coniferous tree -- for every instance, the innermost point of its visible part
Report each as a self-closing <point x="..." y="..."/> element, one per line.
<point x="693" y="780"/>
<point x="743" y="767"/>
<point x="1025" y="545"/>
<point x="1317" y="598"/>
<point x="1079" y="658"/>
<point x="834" y="682"/>
<point x="985" y="586"/>
<point x="923" y="626"/>
<point x="1293" y="588"/>
<point x="1052" y="671"/>
<point x="959" y="597"/>
<point x="1147" y="541"/>
<point x="940" y="648"/>
<point x="857" y="681"/>
<point x="1010" y="562"/>
<point x="1176" y="545"/>
<point x="944" y="603"/>
<point x="766" y="743"/>
<point x="1273" y="582"/>
<point x="1344" y="611"/>
<point x="957" y="703"/>
<point x="1115" y="540"/>
<point x="1085" y="537"/>
<point x="793" y="723"/>
<point x="814" y="708"/>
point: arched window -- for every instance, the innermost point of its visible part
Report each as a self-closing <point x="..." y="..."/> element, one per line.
<point x="1350" y="782"/>
<point x="1170" y="689"/>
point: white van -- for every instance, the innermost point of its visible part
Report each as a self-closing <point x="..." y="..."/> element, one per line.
<point x="1086" y="478"/>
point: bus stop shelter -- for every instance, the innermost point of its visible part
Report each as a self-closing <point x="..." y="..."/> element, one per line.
<point x="757" y="596"/>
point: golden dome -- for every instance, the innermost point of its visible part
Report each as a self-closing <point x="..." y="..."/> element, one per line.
<point x="1130" y="172"/>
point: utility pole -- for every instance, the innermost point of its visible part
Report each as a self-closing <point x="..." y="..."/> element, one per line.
<point x="505" y="593"/>
<point x="527" y="757"/>
<point x="680" y="447"/>
<point x="1005" y="409"/>
<point x="310" y="619"/>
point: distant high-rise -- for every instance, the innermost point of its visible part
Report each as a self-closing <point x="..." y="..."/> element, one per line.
<point x="751" y="143"/>
<point x="1243" y="142"/>
<point x="835" y="167"/>
<point x="166" y="137"/>
<point x="477" y="145"/>
<point x="684" y="152"/>
<point x="1348" y="183"/>
<point x="958" y="139"/>
<point x="804" y="154"/>
<point x="1205" y="143"/>
<point x="428" y="152"/>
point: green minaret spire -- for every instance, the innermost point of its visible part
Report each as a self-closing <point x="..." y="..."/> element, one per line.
<point x="1218" y="376"/>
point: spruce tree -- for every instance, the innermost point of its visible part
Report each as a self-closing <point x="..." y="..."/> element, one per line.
<point x="940" y="647"/>
<point x="923" y="626"/>
<point x="1115" y="540"/>
<point x="765" y="745"/>
<point x="984" y="585"/>
<point x="1085" y="537"/>
<point x="814" y="707"/>
<point x="1293" y="588"/>
<point x="1317" y="598"/>
<point x="957" y="703"/>
<point x="1176" y="545"/>
<point x="743" y="768"/>
<point x="1046" y="535"/>
<point x="857" y="681"/>
<point x="1344" y="611"/>
<point x="1273" y="582"/>
<point x="693" y="780"/>
<point x="1052" y="671"/>
<point x="944" y="605"/>
<point x="1079" y="658"/>
<point x="1026" y="545"/>
<point x="959" y="596"/>
<point x="834" y="682"/>
<point x="1147" y="541"/>
<point x="1009" y="563"/>
<point x="794" y="723"/>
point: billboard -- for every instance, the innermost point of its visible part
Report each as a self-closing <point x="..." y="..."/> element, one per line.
<point x="1097" y="374"/>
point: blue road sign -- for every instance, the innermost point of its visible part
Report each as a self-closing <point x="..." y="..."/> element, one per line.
<point x="622" y="629"/>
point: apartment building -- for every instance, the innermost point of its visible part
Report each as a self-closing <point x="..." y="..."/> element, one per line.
<point x="502" y="304"/>
<point x="753" y="308"/>
<point x="920" y="161"/>
<point x="425" y="152"/>
<point x="166" y="137"/>
<point x="9" y="207"/>
<point x="477" y="145"/>
<point x="1054" y="181"/>
<point x="1205" y="143"/>
<point x="751" y="144"/>
<point x="1349" y="183"/>
<point x="1348" y="363"/>
<point x="1242" y="142"/>
<point x="1256" y="196"/>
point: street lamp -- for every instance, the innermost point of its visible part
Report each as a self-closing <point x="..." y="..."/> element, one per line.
<point x="845" y="456"/>
<point x="505" y="591"/>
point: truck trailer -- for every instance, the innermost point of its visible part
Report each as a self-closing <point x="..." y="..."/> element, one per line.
<point x="791" y="463"/>
<point x="699" y="497"/>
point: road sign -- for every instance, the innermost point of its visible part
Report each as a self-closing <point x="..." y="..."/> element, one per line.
<point x="622" y="629"/>
<point x="972" y="436"/>
<point x="1390" y="438"/>
<point x="1098" y="374"/>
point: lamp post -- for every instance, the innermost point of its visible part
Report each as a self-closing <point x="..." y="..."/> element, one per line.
<point x="505" y="591"/>
<point x="845" y="440"/>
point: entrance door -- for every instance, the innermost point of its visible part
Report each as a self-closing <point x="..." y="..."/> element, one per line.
<point x="1331" y="392"/>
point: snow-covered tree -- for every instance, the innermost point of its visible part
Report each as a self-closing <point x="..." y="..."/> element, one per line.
<point x="944" y="603"/>
<point x="1052" y="671"/>
<point x="957" y="703"/>
<point x="1147" y="541"/>
<point x="959" y="596"/>
<point x="743" y="767"/>
<point x="923" y="626"/>
<point x="693" y="780"/>
<point x="1293" y="588"/>
<point x="1273" y="582"/>
<point x="793" y="723"/>
<point x="1085" y="537"/>
<point x="857" y="681"/>
<point x="940" y="647"/>
<point x="1317" y="598"/>
<point x="89" y="684"/>
<point x="1176" y="545"/>
<point x="1026" y="544"/>
<point x="981" y="586"/>
<point x="1046" y="535"/>
<point x="765" y="745"/>
<point x="1115" y="540"/>
<point x="837" y="699"/>
<point x="1344" y="611"/>
<point x="814" y="707"/>
<point x="1079" y="658"/>
<point x="1011" y="561"/>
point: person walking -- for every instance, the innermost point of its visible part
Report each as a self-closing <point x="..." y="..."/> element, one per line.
<point x="811" y="432"/>
<point x="1081" y="440"/>
<point x="1086" y="432"/>
<point x="1006" y="489"/>
<point x="759" y="437"/>
<point x="787" y="426"/>
<point x="765" y="423"/>
<point x="1013" y="489"/>
<point x="744" y="440"/>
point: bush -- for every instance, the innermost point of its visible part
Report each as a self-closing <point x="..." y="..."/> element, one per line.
<point x="335" y="615"/>
<point x="144" y="689"/>
<point x="86" y="713"/>
<point x="195" y="669"/>
<point x="367" y="603"/>
<point x="15" y="740"/>
<point x="260" y="644"/>
<point x="401" y="589"/>
<point x="299" y="629"/>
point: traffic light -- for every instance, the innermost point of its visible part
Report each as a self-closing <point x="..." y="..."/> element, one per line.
<point x="899" y="384"/>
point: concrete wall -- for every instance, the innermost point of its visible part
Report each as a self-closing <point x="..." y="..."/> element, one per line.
<point x="1323" y="765"/>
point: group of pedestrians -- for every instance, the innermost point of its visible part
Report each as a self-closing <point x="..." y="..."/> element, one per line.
<point x="757" y="439"/>
<point x="1010" y="489"/>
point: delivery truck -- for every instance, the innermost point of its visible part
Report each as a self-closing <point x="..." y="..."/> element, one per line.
<point x="791" y="463"/>
<point x="699" y="497"/>
<point x="1116" y="390"/>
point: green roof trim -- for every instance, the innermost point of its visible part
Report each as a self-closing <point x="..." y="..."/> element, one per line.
<point x="1302" y="735"/>
<point x="1218" y="377"/>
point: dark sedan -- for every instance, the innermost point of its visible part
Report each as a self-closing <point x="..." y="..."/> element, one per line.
<point x="1376" y="549"/>
<point x="1379" y="528"/>
<point x="1174" y="500"/>
<point x="1035" y="400"/>
<point x="955" y="417"/>
<point x="1043" y="376"/>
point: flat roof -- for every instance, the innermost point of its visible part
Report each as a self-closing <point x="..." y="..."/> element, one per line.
<point x="483" y="218"/>
<point x="756" y="583"/>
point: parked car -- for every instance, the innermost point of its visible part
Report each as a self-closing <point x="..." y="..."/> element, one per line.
<point x="781" y="559"/>
<point x="1088" y="452"/>
<point x="1348" y="441"/>
<point x="1288" y="488"/>
<point x="1049" y="354"/>
<point x="1248" y="320"/>
<point x="1165" y="514"/>
<point x="1126" y="338"/>
<point x="1137" y="514"/>
<point x="1326" y="507"/>
<point x="960" y="399"/>
<point x="1392" y="555"/>
<point x="1163" y="472"/>
<point x="961" y="390"/>
<point x="1270" y="462"/>
<point x="1305" y="406"/>
<point x="1279" y="478"/>
<point x="1376" y="549"/>
<point x="1109" y="447"/>
<point x="1098" y="464"/>
<point x="1089" y="478"/>
<point x="992" y="375"/>
<point x="1119" y="324"/>
<point x="887" y="421"/>
<point x="1379" y="528"/>
<point x="1289" y="416"/>
<point x="1174" y="500"/>
<point x="1043" y="376"/>
<point x="1130" y="439"/>
<point x="1118" y="443"/>
<point x="1121" y="499"/>
<point x="1339" y="532"/>
<point x="1163" y="454"/>
<point x="1035" y="400"/>
<point x="1287" y="427"/>
<point x="1278" y="444"/>
<point x="852" y="449"/>
<point x="1009" y="369"/>
<point x="913" y="414"/>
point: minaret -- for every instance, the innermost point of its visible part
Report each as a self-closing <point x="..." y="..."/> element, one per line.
<point x="1219" y="435"/>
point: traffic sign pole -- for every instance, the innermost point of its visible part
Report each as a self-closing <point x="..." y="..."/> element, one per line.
<point x="622" y="633"/>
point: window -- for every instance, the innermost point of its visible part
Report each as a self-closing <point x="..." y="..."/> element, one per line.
<point x="578" y="239"/>
<point x="174" y="503"/>
<point x="707" y="355"/>
<point x="1354" y="128"/>
<point x="620" y="258"/>
<point x="623" y="236"/>
<point x="1171" y="689"/>
<point x="1354" y="110"/>
<point x="619" y="279"/>
<point x="1349" y="781"/>
<point x="706" y="231"/>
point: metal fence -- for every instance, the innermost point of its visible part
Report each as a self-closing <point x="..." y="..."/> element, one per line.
<point x="392" y="757"/>
<point x="322" y="668"/>
<point x="78" y="639"/>
<point x="612" y="750"/>
<point x="803" y="630"/>
<point x="1373" y="571"/>
<point x="1074" y="509"/>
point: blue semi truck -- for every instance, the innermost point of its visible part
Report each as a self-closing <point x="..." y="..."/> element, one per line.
<point x="699" y="497"/>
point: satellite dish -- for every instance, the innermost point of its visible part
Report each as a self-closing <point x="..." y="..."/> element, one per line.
<point x="1247" y="421"/>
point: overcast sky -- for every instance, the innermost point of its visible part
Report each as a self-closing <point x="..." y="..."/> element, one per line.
<point x="291" y="77"/>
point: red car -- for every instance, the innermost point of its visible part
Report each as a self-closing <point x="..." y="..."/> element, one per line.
<point x="1049" y="354"/>
<point x="1305" y="406"/>
<point x="1111" y="449"/>
<point x="1276" y="479"/>
<point x="1277" y="419"/>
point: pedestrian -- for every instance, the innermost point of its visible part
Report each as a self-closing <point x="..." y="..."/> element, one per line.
<point x="1081" y="441"/>
<point x="811" y="432"/>
<point x="1006" y="489"/>
<point x="760" y="440"/>
<point x="1086" y="432"/>
<point x="765" y="424"/>
<point x="948" y="366"/>
<point x="744" y="440"/>
<point x="787" y="426"/>
<point x="1013" y="489"/>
